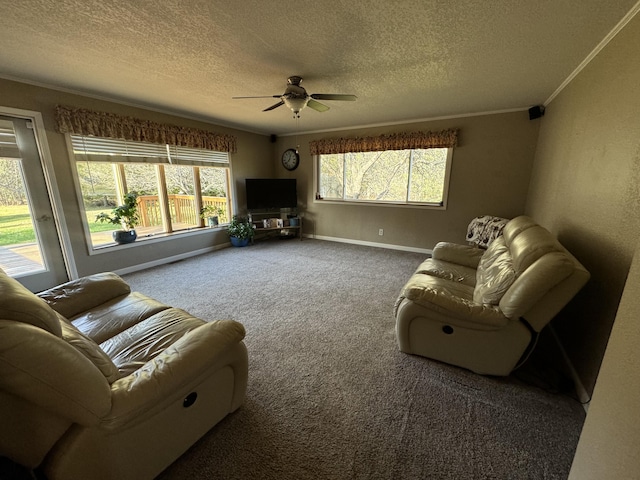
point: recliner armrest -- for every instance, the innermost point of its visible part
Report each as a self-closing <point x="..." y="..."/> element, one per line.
<point x="165" y="377"/>
<point x="77" y="296"/>
<point x="466" y="255"/>
<point x="47" y="371"/>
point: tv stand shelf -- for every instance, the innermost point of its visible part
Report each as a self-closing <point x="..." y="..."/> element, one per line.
<point x="285" y="231"/>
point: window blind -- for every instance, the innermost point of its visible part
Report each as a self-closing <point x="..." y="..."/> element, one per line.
<point x="8" y="144"/>
<point x="98" y="149"/>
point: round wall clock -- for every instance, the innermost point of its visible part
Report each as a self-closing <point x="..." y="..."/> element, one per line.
<point x="290" y="159"/>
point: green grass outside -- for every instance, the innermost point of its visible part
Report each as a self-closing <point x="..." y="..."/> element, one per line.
<point x="16" y="226"/>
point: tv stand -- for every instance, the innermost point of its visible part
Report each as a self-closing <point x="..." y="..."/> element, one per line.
<point x="287" y="230"/>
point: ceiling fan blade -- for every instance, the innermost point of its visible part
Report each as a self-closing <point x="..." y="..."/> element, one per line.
<point x="280" y="103"/>
<point x="317" y="106"/>
<point x="333" y="96"/>
<point x="263" y="96"/>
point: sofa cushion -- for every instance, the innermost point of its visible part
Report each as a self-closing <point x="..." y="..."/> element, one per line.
<point x="90" y="350"/>
<point x="452" y="299"/>
<point x="466" y="255"/>
<point x="135" y="346"/>
<point x="497" y="248"/>
<point x="495" y="274"/>
<point x="115" y="316"/>
<point x="449" y="271"/>
<point x="17" y="303"/>
<point x="493" y="281"/>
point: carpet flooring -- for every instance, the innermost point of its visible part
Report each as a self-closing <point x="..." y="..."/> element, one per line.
<point x="330" y="396"/>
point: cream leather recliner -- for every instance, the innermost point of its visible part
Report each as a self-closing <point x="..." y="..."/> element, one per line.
<point x="483" y="309"/>
<point x="97" y="382"/>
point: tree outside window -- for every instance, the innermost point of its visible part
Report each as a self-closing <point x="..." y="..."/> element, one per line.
<point x="416" y="176"/>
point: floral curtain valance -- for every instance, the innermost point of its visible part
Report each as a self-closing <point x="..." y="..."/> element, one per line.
<point x="79" y="121"/>
<point x="395" y="141"/>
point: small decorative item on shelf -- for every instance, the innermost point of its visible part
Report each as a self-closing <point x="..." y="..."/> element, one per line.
<point x="272" y="223"/>
<point x="124" y="215"/>
<point x="240" y="231"/>
<point x="213" y="214"/>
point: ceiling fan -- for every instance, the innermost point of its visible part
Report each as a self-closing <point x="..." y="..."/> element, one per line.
<point x="296" y="98"/>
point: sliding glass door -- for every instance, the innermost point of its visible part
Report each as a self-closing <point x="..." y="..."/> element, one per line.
<point x="30" y="248"/>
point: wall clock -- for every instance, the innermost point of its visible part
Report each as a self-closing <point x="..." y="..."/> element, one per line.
<point x="290" y="159"/>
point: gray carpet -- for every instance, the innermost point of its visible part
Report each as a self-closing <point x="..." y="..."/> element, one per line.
<point x="330" y="396"/>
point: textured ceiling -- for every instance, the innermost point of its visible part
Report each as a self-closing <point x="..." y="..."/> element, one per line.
<point x="405" y="59"/>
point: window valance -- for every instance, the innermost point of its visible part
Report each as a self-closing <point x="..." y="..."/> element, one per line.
<point x="395" y="141"/>
<point x="79" y="121"/>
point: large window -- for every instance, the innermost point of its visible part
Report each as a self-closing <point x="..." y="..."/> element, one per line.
<point x="173" y="184"/>
<point x="412" y="177"/>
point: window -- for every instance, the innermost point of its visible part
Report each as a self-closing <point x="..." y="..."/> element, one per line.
<point x="412" y="176"/>
<point x="173" y="184"/>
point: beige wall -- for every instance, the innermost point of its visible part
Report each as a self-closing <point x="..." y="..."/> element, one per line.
<point x="252" y="159"/>
<point x="608" y="446"/>
<point x="490" y="175"/>
<point x="585" y="187"/>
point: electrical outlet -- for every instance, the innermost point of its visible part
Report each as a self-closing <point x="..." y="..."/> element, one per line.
<point x="381" y="232"/>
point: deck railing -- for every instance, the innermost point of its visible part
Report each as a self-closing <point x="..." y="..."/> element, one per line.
<point x="182" y="209"/>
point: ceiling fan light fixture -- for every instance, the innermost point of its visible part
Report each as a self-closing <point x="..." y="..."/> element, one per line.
<point x="296" y="104"/>
<point x="296" y="98"/>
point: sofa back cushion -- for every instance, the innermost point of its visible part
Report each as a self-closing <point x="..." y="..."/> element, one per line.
<point x="530" y="245"/>
<point x="90" y="350"/>
<point x="17" y="303"/>
<point x="495" y="274"/>
<point x="77" y="296"/>
<point x="515" y="226"/>
<point x="547" y="275"/>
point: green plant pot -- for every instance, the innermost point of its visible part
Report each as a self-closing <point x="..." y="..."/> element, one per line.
<point x="122" y="236"/>
<point x="212" y="221"/>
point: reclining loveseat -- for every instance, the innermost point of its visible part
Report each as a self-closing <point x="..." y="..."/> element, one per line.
<point x="483" y="309"/>
<point x="98" y="382"/>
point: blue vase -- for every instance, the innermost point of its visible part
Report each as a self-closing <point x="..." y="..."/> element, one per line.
<point x="122" y="236"/>
<point x="239" y="242"/>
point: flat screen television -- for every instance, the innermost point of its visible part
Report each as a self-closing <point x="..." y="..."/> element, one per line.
<point x="271" y="193"/>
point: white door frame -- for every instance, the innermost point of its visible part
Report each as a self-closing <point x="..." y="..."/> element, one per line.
<point x="52" y="184"/>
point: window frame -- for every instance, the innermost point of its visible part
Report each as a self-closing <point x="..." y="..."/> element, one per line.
<point x="202" y="229"/>
<point x="317" y="199"/>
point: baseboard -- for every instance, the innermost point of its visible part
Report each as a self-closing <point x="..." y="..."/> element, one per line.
<point x="583" y="395"/>
<point x="371" y="244"/>
<point x="174" y="258"/>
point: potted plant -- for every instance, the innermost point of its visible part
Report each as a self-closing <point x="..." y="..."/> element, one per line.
<point x="240" y="231"/>
<point x="126" y="216"/>
<point x="212" y="214"/>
